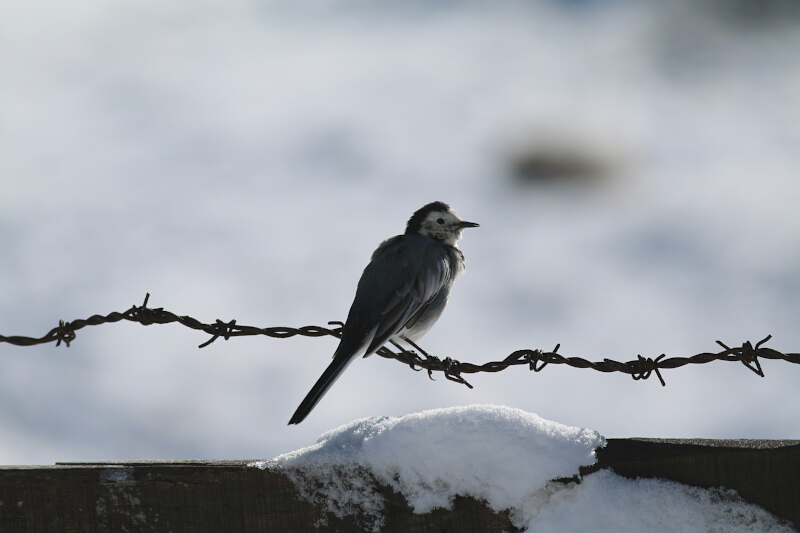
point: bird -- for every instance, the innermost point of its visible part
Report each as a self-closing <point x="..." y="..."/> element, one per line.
<point x="401" y="293"/>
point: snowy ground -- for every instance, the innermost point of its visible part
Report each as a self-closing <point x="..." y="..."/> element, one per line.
<point x="243" y="159"/>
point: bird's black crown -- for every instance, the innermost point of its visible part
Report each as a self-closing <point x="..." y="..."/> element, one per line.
<point x="415" y="222"/>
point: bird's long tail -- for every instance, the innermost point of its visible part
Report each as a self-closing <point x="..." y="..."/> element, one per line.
<point x="322" y="385"/>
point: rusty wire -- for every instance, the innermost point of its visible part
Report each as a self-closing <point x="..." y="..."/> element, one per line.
<point x="639" y="369"/>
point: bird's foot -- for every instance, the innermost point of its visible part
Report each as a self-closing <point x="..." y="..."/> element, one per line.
<point x="430" y="360"/>
<point x="411" y="356"/>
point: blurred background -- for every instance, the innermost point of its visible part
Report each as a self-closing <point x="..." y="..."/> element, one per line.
<point x="634" y="167"/>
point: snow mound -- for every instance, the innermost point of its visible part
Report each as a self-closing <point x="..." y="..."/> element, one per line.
<point x="498" y="454"/>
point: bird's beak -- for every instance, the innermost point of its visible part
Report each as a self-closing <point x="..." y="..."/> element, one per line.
<point x="465" y="224"/>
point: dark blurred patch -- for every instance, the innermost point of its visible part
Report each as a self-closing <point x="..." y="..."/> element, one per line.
<point x="754" y="12"/>
<point x="552" y="157"/>
<point x="558" y="164"/>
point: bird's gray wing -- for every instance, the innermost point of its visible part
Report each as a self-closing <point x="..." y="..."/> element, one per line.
<point x="405" y="274"/>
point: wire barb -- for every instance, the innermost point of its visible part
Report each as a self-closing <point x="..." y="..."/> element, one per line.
<point x="63" y="332"/>
<point x="640" y="368"/>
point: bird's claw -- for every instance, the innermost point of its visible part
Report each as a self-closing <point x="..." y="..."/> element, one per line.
<point x="428" y="360"/>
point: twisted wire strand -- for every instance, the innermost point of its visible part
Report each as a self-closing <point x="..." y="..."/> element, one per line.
<point x="640" y="368"/>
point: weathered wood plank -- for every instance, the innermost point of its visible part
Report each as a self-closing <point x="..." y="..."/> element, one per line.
<point x="194" y="496"/>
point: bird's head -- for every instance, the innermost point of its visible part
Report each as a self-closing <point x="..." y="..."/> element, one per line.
<point x="438" y="221"/>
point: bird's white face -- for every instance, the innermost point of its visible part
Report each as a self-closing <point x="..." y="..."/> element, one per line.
<point x="444" y="226"/>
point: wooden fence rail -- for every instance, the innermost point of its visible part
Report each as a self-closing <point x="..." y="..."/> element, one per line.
<point x="229" y="496"/>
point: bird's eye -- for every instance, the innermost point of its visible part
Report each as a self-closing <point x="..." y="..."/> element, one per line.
<point x="440" y="221"/>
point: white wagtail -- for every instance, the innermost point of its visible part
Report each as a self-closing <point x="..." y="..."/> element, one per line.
<point x="401" y="293"/>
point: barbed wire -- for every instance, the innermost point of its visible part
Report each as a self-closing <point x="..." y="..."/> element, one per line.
<point x="536" y="360"/>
